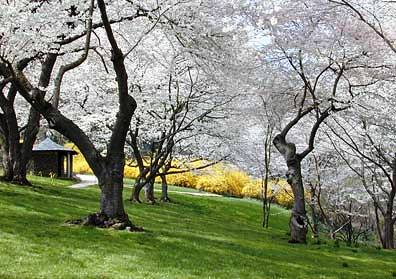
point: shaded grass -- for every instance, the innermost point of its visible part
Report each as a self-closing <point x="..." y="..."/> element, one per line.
<point x="130" y="182"/>
<point x="194" y="237"/>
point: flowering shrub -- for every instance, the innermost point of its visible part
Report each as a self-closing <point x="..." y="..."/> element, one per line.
<point x="187" y="179"/>
<point x="284" y="194"/>
<point x="131" y="172"/>
<point x="80" y="165"/>
<point x="253" y="189"/>
<point x="278" y="190"/>
<point x="211" y="183"/>
<point x="235" y="181"/>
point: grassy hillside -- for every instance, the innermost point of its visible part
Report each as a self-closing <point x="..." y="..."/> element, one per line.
<point x="195" y="237"/>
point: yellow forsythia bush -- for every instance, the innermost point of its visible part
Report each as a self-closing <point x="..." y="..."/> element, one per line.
<point x="211" y="183"/>
<point x="80" y="165"/>
<point x="131" y="172"/>
<point x="223" y="180"/>
<point x="186" y="179"/>
<point x="235" y="181"/>
<point x="279" y="190"/>
<point x="284" y="194"/>
<point x="252" y="189"/>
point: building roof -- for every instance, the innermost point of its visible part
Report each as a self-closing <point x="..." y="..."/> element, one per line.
<point x="49" y="145"/>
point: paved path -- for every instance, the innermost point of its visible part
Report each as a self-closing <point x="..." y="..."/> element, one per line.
<point x="87" y="180"/>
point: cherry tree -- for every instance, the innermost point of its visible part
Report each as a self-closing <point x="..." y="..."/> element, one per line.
<point x="30" y="38"/>
<point x="24" y="38"/>
<point x="365" y="140"/>
<point x="108" y="168"/>
<point x="181" y="105"/>
<point x="313" y="48"/>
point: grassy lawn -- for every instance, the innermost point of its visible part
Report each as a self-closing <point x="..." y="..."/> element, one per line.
<point x="194" y="237"/>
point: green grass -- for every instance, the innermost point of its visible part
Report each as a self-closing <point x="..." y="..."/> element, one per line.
<point x="194" y="237"/>
<point x="128" y="182"/>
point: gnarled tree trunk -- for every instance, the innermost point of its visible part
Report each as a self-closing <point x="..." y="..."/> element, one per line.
<point x="298" y="221"/>
<point x="7" y="166"/>
<point x="139" y="184"/>
<point x="112" y="213"/>
<point x="12" y="149"/>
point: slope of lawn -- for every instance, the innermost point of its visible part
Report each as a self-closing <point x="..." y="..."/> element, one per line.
<point x="194" y="237"/>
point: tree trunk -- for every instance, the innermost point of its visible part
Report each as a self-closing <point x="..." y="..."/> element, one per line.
<point x="298" y="221"/>
<point x="164" y="188"/>
<point x="315" y="214"/>
<point x="29" y="138"/>
<point x="268" y="212"/>
<point x="144" y="181"/>
<point x="149" y="191"/>
<point x="7" y="166"/>
<point x="111" y="200"/>
<point x="264" y="194"/>
<point x="13" y="145"/>
<point x="388" y="233"/>
<point x="139" y="184"/>
<point x="112" y="213"/>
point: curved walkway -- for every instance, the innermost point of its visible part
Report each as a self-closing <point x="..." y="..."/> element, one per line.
<point x="85" y="181"/>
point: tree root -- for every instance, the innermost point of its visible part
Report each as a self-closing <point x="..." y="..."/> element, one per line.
<point x="101" y="220"/>
<point x="22" y="182"/>
<point x="135" y="200"/>
<point x="151" y="202"/>
<point x="165" y="199"/>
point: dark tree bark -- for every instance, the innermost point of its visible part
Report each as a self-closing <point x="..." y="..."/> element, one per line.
<point x="137" y="188"/>
<point x="164" y="189"/>
<point x="266" y="174"/>
<point x="147" y="173"/>
<point x="33" y="124"/>
<point x="7" y="166"/>
<point x="12" y="150"/>
<point x="139" y="184"/>
<point x="29" y="138"/>
<point x="388" y="233"/>
<point x="306" y="103"/>
<point x="111" y="184"/>
<point x="298" y="221"/>
<point x="315" y="214"/>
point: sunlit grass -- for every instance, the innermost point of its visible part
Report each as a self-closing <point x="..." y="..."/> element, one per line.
<point x="194" y="237"/>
